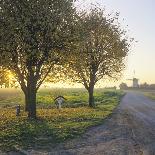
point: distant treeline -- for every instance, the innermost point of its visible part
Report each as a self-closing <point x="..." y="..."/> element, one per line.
<point x="141" y="86"/>
<point x="149" y="86"/>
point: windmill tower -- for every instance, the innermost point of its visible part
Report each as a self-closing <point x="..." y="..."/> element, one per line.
<point x="135" y="81"/>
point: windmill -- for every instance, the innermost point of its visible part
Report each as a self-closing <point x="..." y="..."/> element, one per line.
<point x="135" y="81"/>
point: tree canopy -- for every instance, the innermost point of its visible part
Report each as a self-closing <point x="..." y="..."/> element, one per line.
<point x="33" y="32"/>
<point x="42" y="37"/>
<point x="101" y="51"/>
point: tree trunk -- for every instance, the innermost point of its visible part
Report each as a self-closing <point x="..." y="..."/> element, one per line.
<point x="30" y="97"/>
<point x="91" y="96"/>
<point x="26" y="101"/>
<point x="32" y="104"/>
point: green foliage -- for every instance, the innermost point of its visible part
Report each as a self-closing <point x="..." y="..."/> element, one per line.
<point x="100" y="51"/>
<point x="43" y="36"/>
<point x="7" y="79"/>
<point x="54" y="126"/>
<point x="33" y="34"/>
<point x="4" y="77"/>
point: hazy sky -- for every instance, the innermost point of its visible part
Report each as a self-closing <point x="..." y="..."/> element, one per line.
<point x="139" y="15"/>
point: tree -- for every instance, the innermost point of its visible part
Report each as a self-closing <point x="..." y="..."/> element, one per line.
<point x="33" y="33"/>
<point x="101" y="51"/>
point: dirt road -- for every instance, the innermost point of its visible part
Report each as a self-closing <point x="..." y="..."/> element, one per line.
<point x="129" y="131"/>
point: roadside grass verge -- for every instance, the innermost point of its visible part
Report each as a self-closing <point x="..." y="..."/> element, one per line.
<point x="54" y="126"/>
<point x="150" y="95"/>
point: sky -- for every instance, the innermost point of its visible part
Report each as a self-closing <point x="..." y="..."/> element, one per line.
<point x="139" y="15"/>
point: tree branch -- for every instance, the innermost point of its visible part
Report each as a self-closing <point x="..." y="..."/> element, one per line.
<point x="41" y="81"/>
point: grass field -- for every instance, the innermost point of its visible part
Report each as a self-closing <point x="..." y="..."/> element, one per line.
<point x="150" y="95"/>
<point x="52" y="126"/>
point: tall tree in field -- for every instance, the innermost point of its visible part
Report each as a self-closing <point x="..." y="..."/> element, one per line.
<point x="101" y="52"/>
<point x="33" y="33"/>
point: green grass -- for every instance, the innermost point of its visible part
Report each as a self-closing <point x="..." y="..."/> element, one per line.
<point x="150" y="95"/>
<point x="52" y="126"/>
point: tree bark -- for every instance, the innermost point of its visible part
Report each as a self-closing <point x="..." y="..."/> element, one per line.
<point x="32" y="104"/>
<point x="91" y="96"/>
<point x="30" y="97"/>
<point x="26" y="101"/>
<point x="30" y="100"/>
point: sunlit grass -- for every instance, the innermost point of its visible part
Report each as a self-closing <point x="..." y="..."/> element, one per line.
<point x="54" y="126"/>
<point x="150" y="95"/>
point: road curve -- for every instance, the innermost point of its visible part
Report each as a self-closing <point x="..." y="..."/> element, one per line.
<point x="129" y="131"/>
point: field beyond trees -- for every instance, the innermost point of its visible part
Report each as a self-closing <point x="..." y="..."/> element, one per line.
<point x="53" y="126"/>
<point x="150" y="95"/>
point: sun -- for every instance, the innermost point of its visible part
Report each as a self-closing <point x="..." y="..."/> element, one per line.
<point x="10" y="75"/>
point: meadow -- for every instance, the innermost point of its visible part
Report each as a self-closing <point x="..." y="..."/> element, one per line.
<point x="53" y="126"/>
<point x="150" y="95"/>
